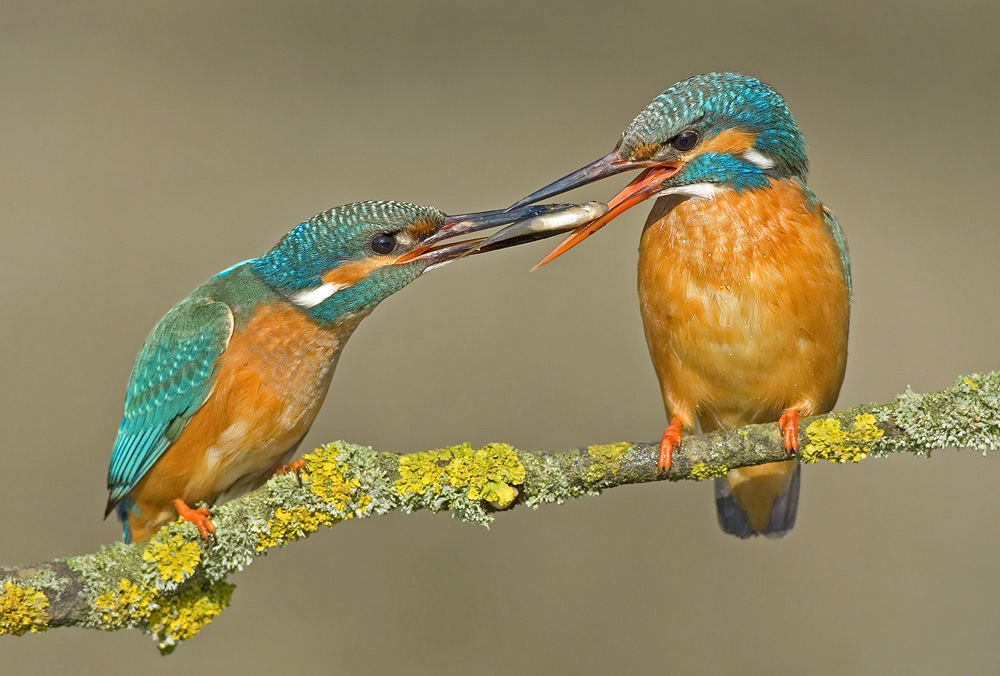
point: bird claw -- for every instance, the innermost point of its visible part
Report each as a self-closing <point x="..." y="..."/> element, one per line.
<point x="294" y="466"/>
<point x="671" y="438"/>
<point x="199" y="517"/>
<point x="788" y="423"/>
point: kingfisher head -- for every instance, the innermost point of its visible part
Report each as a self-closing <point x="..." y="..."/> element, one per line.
<point x="345" y="261"/>
<point x="703" y="135"/>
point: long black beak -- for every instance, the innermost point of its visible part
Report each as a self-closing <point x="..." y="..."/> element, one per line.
<point x="609" y="165"/>
<point x="646" y="185"/>
<point x="524" y="224"/>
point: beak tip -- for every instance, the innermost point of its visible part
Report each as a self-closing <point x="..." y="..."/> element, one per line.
<point x="520" y="203"/>
<point x="550" y="256"/>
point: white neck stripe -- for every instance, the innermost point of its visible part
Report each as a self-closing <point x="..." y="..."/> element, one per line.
<point x="702" y="191"/>
<point x="755" y="157"/>
<point x="316" y="295"/>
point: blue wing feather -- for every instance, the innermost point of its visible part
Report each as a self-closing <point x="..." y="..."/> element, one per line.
<point x="841" y="240"/>
<point x="171" y="379"/>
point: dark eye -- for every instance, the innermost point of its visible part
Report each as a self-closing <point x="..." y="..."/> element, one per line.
<point x="686" y="140"/>
<point x="383" y="244"/>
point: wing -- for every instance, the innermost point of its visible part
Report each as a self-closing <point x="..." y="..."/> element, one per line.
<point x="838" y="237"/>
<point x="171" y="379"/>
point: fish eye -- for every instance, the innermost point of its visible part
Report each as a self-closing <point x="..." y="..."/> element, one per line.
<point x="686" y="140"/>
<point x="383" y="243"/>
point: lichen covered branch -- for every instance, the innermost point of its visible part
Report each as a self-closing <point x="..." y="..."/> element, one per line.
<point x="175" y="584"/>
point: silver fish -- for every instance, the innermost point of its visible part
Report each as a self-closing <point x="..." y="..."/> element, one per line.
<point x="555" y="219"/>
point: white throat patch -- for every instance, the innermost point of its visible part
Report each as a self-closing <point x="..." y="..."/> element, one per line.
<point x="316" y="295"/>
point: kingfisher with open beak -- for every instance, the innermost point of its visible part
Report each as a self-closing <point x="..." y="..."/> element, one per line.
<point x="744" y="276"/>
<point x="230" y="380"/>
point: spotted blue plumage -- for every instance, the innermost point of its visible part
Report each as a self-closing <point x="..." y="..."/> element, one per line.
<point x="718" y="101"/>
<point x="315" y="246"/>
<point x="171" y="379"/>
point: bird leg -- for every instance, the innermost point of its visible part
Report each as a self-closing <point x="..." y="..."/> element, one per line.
<point x="294" y="466"/>
<point x="788" y="423"/>
<point x="199" y="517"/>
<point x="671" y="438"/>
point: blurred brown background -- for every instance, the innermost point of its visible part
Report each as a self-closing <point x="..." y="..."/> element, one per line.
<point x="145" y="146"/>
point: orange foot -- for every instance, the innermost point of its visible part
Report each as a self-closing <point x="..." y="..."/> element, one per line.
<point x="671" y="438"/>
<point x="199" y="517"/>
<point x="294" y="466"/>
<point x="789" y="425"/>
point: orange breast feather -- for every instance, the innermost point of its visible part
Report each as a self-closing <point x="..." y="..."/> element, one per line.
<point x="744" y="305"/>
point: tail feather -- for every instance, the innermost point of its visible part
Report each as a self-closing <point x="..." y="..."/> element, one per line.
<point x="731" y="518"/>
<point x="759" y="500"/>
<point x="122" y="512"/>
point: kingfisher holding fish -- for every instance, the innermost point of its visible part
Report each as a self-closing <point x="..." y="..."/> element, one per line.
<point x="228" y="383"/>
<point x="744" y="276"/>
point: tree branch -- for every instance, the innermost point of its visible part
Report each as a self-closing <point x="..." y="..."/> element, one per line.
<point x="175" y="584"/>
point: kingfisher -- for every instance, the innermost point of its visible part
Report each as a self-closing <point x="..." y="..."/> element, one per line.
<point x="230" y="380"/>
<point x="744" y="276"/>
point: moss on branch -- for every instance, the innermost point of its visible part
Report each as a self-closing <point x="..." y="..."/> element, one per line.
<point x="174" y="584"/>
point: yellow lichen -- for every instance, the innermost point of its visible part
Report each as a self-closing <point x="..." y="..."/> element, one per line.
<point x="423" y="472"/>
<point x="291" y="524"/>
<point x="22" y="610"/>
<point x="328" y="482"/>
<point x="701" y="471"/>
<point x="489" y="473"/>
<point x="828" y="441"/>
<point x="125" y="606"/>
<point x="181" y="616"/>
<point x="175" y="559"/>
<point x="971" y="384"/>
<point x="605" y="459"/>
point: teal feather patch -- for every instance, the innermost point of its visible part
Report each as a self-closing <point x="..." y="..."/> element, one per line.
<point x="171" y="379"/>
<point x="841" y="240"/>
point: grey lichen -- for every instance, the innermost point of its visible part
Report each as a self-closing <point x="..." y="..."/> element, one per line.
<point x="966" y="415"/>
<point x="552" y="478"/>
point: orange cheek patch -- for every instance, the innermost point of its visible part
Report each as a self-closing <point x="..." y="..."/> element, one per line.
<point x="423" y="228"/>
<point x="726" y="142"/>
<point x="643" y="152"/>
<point x="350" y="273"/>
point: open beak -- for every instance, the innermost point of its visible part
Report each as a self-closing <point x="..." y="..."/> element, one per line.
<point x="525" y="224"/>
<point x="647" y="184"/>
